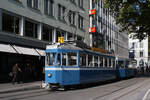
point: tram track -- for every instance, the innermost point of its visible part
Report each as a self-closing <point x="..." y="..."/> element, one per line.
<point x="110" y="89"/>
<point x="25" y="94"/>
<point x="119" y="91"/>
<point x="132" y="90"/>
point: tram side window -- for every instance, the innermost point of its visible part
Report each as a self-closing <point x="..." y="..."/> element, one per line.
<point x="90" y="60"/>
<point x="50" y="59"/>
<point x="83" y="60"/>
<point x="101" y="61"/>
<point x="47" y="59"/>
<point x="58" y="62"/>
<point x="95" y="61"/>
<point x="64" y="59"/>
<point x="120" y="64"/>
<point x="114" y="62"/>
<point x="110" y="62"/>
<point x="106" y="64"/>
<point x="127" y="64"/>
<point x="72" y="59"/>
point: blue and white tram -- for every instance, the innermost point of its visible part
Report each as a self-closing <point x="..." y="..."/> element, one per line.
<point x="124" y="70"/>
<point x="67" y="64"/>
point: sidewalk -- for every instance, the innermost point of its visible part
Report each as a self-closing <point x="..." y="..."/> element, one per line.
<point x="9" y="87"/>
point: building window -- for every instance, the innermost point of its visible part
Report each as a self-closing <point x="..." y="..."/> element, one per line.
<point x="70" y="36"/>
<point x="73" y="1"/>
<point x="141" y="53"/>
<point x="71" y="18"/>
<point x="47" y="33"/>
<point x="49" y="7"/>
<point x="141" y="44"/>
<point x="32" y="3"/>
<point x="30" y="29"/>
<point x="80" y="3"/>
<point x="133" y="45"/>
<point x="10" y="23"/>
<point x="61" y="12"/>
<point x="18" y="0"/>
<point x="80" y="22"/>
<point x="93" y="5"/>
<point x="80" y="38"/>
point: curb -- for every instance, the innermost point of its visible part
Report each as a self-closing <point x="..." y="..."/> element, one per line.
<point x="25" y="88"/>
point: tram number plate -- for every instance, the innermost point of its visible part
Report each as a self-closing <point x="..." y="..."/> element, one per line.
<point x="61" y="39"/>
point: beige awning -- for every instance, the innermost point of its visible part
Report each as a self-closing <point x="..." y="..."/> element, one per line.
<point x="41" y="52"/>
<point x="26" y="51"/>
<point x="7" y="48"/>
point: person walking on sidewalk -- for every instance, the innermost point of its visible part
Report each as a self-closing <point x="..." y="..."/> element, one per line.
<point x="15" y="71"/>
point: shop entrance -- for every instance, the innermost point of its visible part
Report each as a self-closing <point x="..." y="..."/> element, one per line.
<point x="31" y="67"/>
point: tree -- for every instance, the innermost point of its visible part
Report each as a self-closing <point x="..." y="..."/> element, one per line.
<point x="133" y="15"/>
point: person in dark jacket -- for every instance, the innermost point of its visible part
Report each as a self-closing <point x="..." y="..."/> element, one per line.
<point x="15" y="71"/>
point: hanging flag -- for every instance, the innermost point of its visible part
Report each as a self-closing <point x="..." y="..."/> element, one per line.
<point x="92" y="12"/>
<point x="92" y="29"/>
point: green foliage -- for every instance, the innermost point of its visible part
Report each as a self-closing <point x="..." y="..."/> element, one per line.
<point x="133" y="15"/>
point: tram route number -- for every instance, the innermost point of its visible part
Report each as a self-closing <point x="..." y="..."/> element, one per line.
<point x="61" y="39"/>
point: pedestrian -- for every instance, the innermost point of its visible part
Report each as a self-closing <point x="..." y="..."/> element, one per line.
<point x="15" y="71"/>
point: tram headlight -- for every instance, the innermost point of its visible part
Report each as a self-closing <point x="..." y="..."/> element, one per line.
<point x="49" y="75"/>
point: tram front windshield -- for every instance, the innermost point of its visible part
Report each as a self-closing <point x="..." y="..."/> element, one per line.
<point x="50" y="59"/>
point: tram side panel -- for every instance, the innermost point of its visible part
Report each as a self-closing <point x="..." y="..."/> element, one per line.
<point x="92" y="75"/>
<point x="62" y="76"/>
<point x="70" y="76"/>
<point x="130" y="72"/>
<point x="122" y="72"/>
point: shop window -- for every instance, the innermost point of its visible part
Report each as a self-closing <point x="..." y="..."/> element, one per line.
<point x="10" y="23"/>
<point x="30" y="29"/>
<point x="83" y="60"/>
<point x="47" y="33"/>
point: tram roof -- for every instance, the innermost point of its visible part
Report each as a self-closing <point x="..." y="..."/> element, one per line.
<point x="67" y="46"/>
<point x="63" y="46"/>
